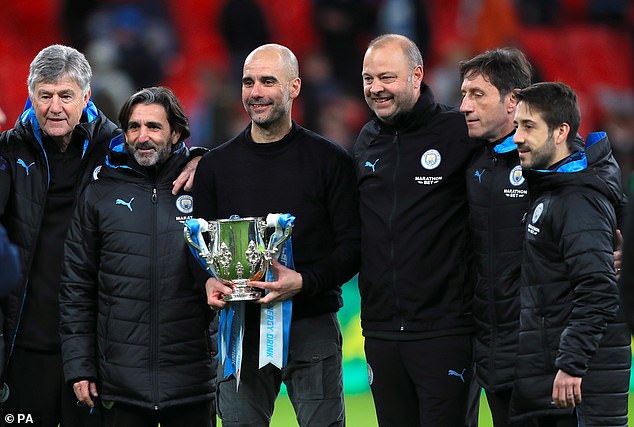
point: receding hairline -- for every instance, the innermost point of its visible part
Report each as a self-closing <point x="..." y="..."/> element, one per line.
<point x="287" y="57"/>
<point x="407" y="46"/>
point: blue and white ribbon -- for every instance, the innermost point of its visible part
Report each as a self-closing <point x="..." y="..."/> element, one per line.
<point x="275" y="319"/>
<point x="231" y="322"/>
<point x="196" y="228"/>
<point x="230" y="337"/>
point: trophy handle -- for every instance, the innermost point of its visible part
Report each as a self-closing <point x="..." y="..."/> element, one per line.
<point x="198" y="226"/>
<point x="278" y="238"/>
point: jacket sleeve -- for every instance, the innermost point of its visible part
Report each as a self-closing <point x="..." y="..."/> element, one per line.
<point x="342" y="263"/>
<point x="203" y="193"/>
<point x="9" y="264"/>
<point x="5" y="184"/>
<point x="626" y="281"/>
<point x="78" y="294"/>
<point x="586" y="229"/>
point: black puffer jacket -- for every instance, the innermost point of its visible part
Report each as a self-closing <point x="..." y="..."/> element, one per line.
<point x="416" y="278"/>
<point x="132" y="317"/>
<point x="570" y="315"/>
<point x="498" y="200"/>
<point x="24" y="178"/>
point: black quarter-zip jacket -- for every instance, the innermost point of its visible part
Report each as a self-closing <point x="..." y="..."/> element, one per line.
<point x="416" y="278"/>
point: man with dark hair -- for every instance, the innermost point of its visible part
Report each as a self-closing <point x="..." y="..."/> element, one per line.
<point x="134" y="323"/>
<point x="498" y="200"/>
<point x="416" y="277"/>
<point x="55" y="149"/>
<point x="572" y="334"/>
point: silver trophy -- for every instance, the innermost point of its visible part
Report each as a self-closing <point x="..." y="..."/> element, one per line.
<point x="238" y="253"/>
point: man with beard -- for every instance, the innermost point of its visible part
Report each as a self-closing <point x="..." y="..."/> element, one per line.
<point x="573" y="361"/>
<point x="276" y="166"/>
<point x="134" y="323"/>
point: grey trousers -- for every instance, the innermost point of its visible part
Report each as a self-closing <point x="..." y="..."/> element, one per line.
<point x="313" y="378"/>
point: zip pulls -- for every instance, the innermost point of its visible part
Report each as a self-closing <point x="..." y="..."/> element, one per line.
<point x="154" y="196"/>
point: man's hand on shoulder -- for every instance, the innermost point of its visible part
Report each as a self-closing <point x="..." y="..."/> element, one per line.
<point x="185" y="180"/>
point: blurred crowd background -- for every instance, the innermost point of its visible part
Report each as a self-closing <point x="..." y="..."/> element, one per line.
<point x="196" y="47"/>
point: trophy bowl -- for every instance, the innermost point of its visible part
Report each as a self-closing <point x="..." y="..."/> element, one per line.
<point x="235" y="252"/>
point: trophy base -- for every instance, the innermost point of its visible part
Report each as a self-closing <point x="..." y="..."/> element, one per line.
<point x="244" y="293"/>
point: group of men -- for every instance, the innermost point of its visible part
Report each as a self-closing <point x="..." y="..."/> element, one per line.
<point x="495" y="222"/>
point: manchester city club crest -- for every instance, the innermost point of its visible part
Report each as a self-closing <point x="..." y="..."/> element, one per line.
<point x="537" y="212"/>
<point x="430" y="159"/>
<point x="185" y="204"/>
<point x="515" y="177"/>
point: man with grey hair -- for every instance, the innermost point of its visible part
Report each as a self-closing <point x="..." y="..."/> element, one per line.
<point x="416" y="278"/>
<point x="55" y="149"/>
<point x="285" y="168"/>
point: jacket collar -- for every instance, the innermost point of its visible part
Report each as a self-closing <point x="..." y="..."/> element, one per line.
<point x="506" y="144"/>
<point x="28" y="118"/>
<point x="118" y="159"/>
<point x="419" y="114"/>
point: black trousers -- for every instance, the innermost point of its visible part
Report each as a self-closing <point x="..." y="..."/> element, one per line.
<point x="569" y="421"/>
<point x="37" y="390"/>
<point x="420" y="383"/>
<point x="195" y="415"/>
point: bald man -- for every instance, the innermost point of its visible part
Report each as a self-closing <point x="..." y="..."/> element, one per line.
<point x="276" y="166"/>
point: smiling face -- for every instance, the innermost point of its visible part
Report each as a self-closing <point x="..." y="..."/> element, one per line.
<point x="268" y="91"/>
<point x="149" y="137"/>
<point x="489" y="116"/>
<point x="58" y="108"/>
<point x="390" y="85"/>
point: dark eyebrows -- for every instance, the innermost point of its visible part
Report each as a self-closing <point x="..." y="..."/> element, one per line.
<point x="261" y="79"/>
<point x="150" y="124"/>
<point x="525" y="122"/>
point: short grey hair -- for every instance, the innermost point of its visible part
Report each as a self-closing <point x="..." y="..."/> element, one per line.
<point x="56" y="62"/>
<point x="411" y="51"/>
